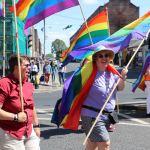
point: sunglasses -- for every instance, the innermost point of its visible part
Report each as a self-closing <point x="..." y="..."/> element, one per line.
<point x="103" y="56"/>
<point x="27" y="65"/>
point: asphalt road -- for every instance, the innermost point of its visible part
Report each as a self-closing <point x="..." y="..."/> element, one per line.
<point x="132" y="132"/>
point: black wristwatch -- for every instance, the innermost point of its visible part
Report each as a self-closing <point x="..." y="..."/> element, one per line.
<point x="16" y="117"/>
<point x="36" y="126"/>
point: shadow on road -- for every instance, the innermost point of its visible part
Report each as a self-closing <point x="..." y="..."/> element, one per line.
<point x="46" y="134"/>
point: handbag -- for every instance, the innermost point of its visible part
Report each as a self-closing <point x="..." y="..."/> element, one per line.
<point x="113" y="117"/>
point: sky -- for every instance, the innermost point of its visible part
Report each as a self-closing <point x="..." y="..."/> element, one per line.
<point x="56" y="23"/>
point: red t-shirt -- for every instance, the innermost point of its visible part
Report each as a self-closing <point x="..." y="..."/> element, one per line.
<point x="10" y="101"/>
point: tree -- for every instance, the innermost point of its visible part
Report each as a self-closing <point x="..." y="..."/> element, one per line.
<point x="58" y="46"/>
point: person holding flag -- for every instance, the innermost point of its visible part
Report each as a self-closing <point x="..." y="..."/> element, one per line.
<point x="84" y="97"/>
<point x="98" y="93"/>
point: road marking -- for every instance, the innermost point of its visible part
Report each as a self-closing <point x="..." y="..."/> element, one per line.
<point x="45" y="119"/>
<point x="134" y="119"/>
<point x="133" y="124"/>
<point x="44" y="110"/>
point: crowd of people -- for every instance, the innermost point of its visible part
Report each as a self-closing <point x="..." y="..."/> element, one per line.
<point x="50" y="69"/>
<point x="19" y="125"/>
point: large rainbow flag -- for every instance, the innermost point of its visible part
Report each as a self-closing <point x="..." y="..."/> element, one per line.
<point x="98" y="28"/>
<point x="33" y="11"/>
<point x="75" y="91"/>
<point x="140" y="80"/>
<point x="119" y="40"/>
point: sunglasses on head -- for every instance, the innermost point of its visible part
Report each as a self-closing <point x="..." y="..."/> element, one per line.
<point x="103" y="56"/>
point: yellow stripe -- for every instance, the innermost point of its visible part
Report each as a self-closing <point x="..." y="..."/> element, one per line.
<point x="96" y="27"/>
<point x="86" y="72"/>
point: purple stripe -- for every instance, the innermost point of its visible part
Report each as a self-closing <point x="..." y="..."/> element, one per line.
<point x="50" y="11"/>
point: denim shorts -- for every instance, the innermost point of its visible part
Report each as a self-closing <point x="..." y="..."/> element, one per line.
<point x="99" y="133"/>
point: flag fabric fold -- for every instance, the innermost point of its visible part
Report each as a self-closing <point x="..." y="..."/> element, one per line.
<point x="136" y="30"/>
<point x="98" y="29"/>
<point x="33" y="11"/>
<point x="139" y="83"/>
<point x="67" y="110"/>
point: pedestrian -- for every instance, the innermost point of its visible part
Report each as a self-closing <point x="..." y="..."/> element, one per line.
<point x="34" y="71"/>
<point x="46" y="71"/>
<point x="19" y="130"/>
<point x="61" y="72"/>
<point x="87" y="101"/>
<point x="53" y="71"/>
<point x="95" y="99"/>
<point x="147" y="83"/>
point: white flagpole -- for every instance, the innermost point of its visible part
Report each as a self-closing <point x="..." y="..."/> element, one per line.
<point x="4" y="38"/>
<point x="18" y="54"/>
<point x="86" y="24"/>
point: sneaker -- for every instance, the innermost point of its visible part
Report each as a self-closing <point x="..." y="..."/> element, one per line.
<point x="110" y="128"/>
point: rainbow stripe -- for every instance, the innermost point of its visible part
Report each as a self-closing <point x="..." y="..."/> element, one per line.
<point x="75" y="91"/>
<point x="22" y="8"/>
<point x="98" y="28"/>
<point x="120" y="39"/>
<point x="140" y="80"/>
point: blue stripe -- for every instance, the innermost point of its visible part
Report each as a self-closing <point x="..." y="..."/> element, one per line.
<point x="87" y="42"/>
<point x="45" y="4"/>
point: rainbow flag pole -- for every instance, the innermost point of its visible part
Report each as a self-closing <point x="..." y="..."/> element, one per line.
<point x="86" y="24"/>
<point x="4" y="37"/>
<point x="18" y="54"/>
<point x="115" y="85"/>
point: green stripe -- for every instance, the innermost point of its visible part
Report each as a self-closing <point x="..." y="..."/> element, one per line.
<point x="94" y="34"/>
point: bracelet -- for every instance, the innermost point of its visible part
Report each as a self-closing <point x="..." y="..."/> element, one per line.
<point x="16" y="117"/>
<point x="36" y="126"/>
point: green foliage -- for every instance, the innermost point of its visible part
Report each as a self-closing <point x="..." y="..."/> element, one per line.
<point x="58" y="46"/>
<point x="49" y="56"/>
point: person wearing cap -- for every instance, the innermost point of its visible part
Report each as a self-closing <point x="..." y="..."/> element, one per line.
<point x="96" y="97"/>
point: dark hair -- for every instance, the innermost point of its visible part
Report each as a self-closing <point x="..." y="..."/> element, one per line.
<point x="13" y="61"/>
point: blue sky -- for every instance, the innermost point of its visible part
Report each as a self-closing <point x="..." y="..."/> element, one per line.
<point x="73" y="16"/>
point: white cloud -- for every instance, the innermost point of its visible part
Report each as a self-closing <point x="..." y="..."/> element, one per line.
<point x="91" y="2"/>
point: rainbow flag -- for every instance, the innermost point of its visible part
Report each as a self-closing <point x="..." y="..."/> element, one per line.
<point x="33" y="11"/>
<point x="119" y="40"/>
<point x="98" y="28"/>
<point x="140" y="80"/>
<point x="75" y="91"/>
<point x="1" y="8"/>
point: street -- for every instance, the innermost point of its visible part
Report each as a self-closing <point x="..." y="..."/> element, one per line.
<point x="132" y="132"/>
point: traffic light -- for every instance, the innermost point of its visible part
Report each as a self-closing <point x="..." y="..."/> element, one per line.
<point x="148" y="41"/>
<point x="29" y="41"/>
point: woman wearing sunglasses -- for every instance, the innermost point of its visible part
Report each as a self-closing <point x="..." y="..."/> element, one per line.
<point x="98" y="93"/>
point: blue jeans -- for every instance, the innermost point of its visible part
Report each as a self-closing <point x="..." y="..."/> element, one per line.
<point x="61" y="77"/>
